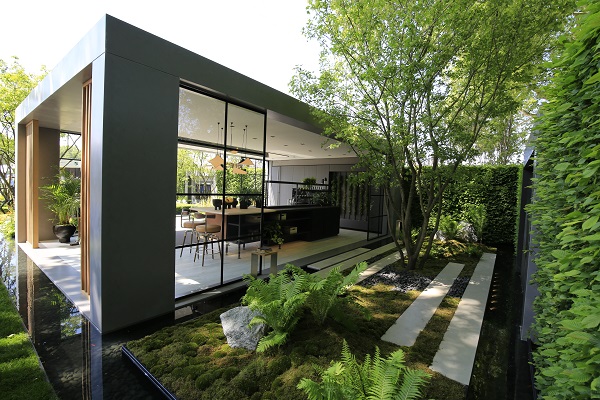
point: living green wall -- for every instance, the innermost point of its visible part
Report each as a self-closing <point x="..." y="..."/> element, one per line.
<point x="565" y="214"/>
<point x="497" y="188"/>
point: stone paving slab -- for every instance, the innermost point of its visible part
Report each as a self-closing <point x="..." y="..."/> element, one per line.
<point x="378" y="266"/>
<point x="350" y="263"/>
<point x="332" y="261"/>
<point x="405" y="330"/>
<point x="456" y="354"/>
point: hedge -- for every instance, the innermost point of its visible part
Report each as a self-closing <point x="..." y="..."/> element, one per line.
<point x="496" y="187"/>
<point x="566" y="217"/>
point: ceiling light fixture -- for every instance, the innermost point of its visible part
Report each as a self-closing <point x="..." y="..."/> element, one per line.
<point x="232" y="151"/>
<point x="245" y="161"/>
<point x="217" y="161"/>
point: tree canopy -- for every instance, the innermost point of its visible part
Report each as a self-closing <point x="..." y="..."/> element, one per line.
<point x="412" y="86"/>
<point x="15" y="85"/>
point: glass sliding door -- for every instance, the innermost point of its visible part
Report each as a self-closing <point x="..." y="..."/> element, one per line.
<point x="220" y="190"/>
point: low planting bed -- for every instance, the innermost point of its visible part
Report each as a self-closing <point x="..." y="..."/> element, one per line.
<point x="193" y="360"/>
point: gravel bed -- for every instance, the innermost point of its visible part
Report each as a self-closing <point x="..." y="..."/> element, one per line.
<point x="404" y="281"/>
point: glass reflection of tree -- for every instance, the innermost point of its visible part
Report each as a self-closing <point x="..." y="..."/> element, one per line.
<point x="70" y="319"/>
<point x="7" y="267"/>
<point x="250" y="183"/>
<point x="193" y="174"/>
<point x="187" y="120"/>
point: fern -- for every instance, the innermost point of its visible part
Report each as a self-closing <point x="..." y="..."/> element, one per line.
<point x="279" y="301"/>
<point x="375" y="379"/>
<point x="325" y="293"/>
<point x="411" y="384"/>
<point x="449" y="227"/>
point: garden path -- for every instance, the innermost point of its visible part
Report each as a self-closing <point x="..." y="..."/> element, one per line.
<point x="456" y="353"/>
<point x="406" y="329"/>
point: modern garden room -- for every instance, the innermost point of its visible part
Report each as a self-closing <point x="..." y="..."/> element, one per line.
<point x="187" y="169"/>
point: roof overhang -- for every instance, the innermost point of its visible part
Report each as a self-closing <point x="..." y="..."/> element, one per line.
<point x="292" y="132"/>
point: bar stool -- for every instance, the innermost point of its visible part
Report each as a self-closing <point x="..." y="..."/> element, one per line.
<point x="208" y="233"/>
<point x="190" y="225"/>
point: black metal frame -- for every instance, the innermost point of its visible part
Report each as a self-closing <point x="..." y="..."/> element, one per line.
<point x="225" y="148"/>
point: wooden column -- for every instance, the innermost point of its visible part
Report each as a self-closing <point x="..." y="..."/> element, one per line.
<point x="84" y="221"/>
<point x="33" y="183"/>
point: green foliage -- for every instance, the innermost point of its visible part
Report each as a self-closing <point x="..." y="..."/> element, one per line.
<point x="22" y="377"/>
<point x="192" y="170"/>
<point x="308" y="182"/>
<point x="453" y="248"/>
<point x="408" y="84"/>
<point x="63" y="197"/>
<point x="488" y="194"/>
<point x="376" y="378"/>
<point x="272" y="232"/>
<point x="449" y="227"/>
<point x="325" y="292"/>
<point x="282" y="299"/>
<point x="476" y="215"/>
<point x="7" y="225"/>
<point x="566" y="214"/>
<point x="167" y="352"/>
<point x="15" y="85"/>
<point x="280" y="303"/>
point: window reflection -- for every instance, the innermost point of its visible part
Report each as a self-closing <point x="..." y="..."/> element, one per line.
<point x="220" y="166"/>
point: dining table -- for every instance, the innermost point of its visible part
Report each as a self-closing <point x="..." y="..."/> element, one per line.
<point x="232" y="218"/>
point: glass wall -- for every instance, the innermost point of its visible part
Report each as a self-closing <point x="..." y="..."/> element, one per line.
<point x="220" y="175"/>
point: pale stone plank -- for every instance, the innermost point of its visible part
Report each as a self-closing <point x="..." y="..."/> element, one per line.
<point x="456" y="354"/>
<point x="407" y="328"/>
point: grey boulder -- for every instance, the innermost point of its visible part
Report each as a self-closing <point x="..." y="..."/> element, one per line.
<point x="235" y="327"/>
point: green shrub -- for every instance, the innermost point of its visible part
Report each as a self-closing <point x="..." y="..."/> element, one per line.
<point x="279" y="301"/>
<point x="7" y="225"/>
<point x="476" y="215"/>
<point x="566" y="215"/>
<point x="496" y="188"/>
<point x="376" y="378"/>
<point x="325" y="292"/>
<point x="449" y="227"/>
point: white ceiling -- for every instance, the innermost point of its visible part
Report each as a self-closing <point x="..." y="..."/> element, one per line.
<point x="287" y="139"/>
<point x="287" y="142"/>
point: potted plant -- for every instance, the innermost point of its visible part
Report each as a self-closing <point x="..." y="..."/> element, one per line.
<point x="309" y="182"/>
<point x="248" y="195"/>
<point x="273" y="234"/>
<point x="63" y="199"/>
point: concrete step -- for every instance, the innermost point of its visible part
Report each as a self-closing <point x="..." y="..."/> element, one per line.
<point x="333" y="261"/>
<point x="351" y="262"/>
<point x="407" y="328"/>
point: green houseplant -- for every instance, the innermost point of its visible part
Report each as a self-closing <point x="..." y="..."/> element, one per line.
<point x="272" y="233"/>
<point x="63" y="199"/>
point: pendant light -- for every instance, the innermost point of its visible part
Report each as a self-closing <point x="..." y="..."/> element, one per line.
<point x="217" y="161"/>
<point x="246" y="161"/>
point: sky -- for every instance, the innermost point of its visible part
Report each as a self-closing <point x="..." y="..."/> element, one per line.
<point x="261" y="38"/>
